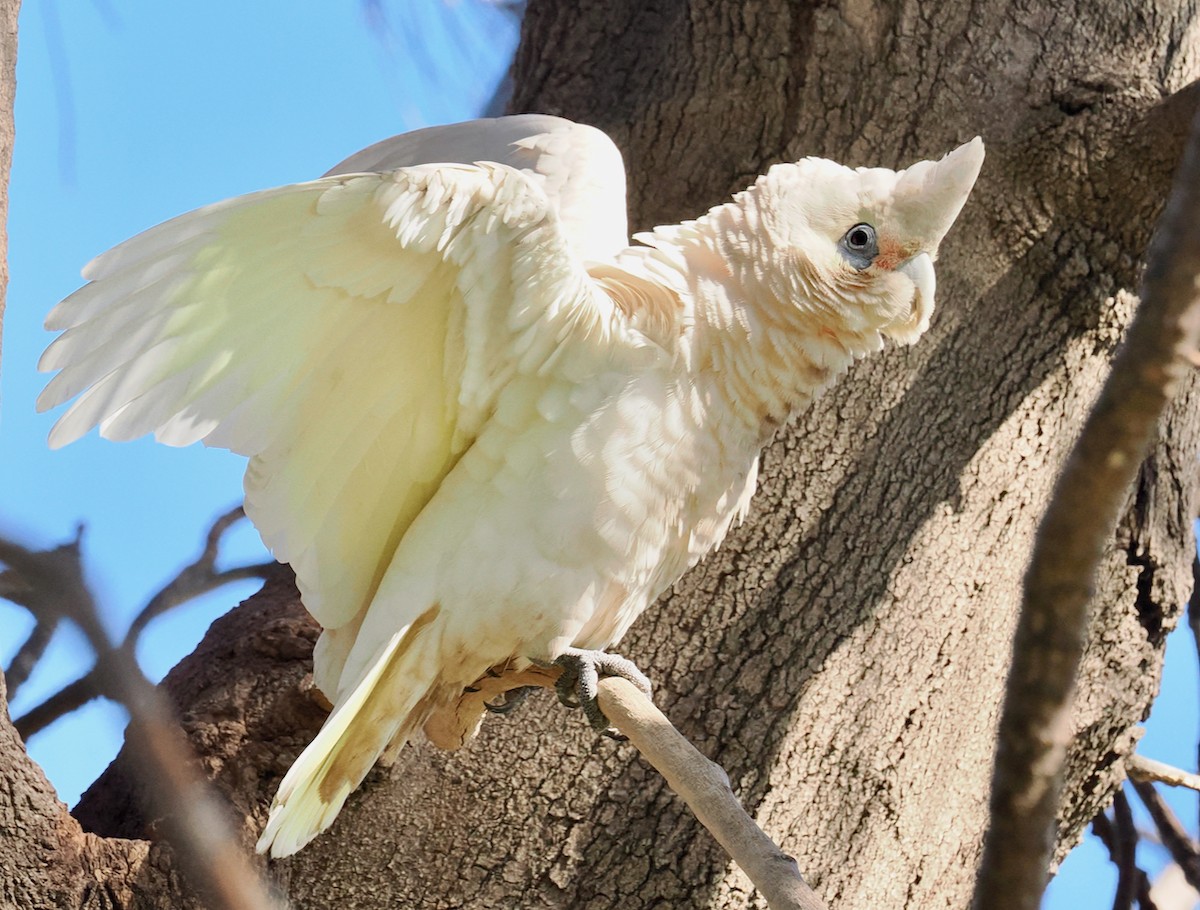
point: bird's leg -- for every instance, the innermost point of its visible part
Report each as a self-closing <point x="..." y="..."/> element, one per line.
<point x="581" y="671"/>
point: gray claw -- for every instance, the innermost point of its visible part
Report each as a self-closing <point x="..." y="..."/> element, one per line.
<point x="580" y="680"/>
<point x="508" y="701"/>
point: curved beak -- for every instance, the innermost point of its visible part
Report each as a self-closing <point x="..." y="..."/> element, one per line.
<point x="927" y="198"/>
<point x="930" y="194"/>
<point x="919" y="269"/>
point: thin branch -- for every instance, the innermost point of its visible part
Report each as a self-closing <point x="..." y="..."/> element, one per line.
<point x="27" y="656"/>
<point x="1140" y="768"/>
<point x="700" y="783"/>
<point x="30" y="589"/>
<point x="1193" y="617"/>
<point x="1117" y="843"/>
<point x="193" y="819"/>
<point x="1126" y="859"/>
<point x="48" y="583"/>
<point x="1035" y="723"/>
<point x="70" y="697"/>
<point x="181" y="590"/>
<point x="200" y="577"/>
<point x="1182" y="848"/>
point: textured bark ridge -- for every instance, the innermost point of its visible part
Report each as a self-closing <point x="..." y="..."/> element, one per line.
<point x="8" y="88"/>
<point x="843" y="656"/>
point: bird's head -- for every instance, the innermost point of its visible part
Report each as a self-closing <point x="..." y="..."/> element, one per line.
<point x="858" y="245"/>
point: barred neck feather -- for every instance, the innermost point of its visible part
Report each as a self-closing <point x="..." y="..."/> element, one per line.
<point x="759" y="323"/>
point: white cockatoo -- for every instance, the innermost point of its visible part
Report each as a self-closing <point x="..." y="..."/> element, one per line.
<point x="482" y="428"/>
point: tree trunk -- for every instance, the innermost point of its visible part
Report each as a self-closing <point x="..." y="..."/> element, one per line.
<point x="843" y="656"/>
<point x="8" y="91"/>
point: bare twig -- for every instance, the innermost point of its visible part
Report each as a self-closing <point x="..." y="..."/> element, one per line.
<point x="193" y="819"/>
<point x="1141" y="768"/>
<point x="1118" y="844"/>
<point x="1193" y="617"/>
<point x="70" y="697"/>
<point x="1126" y="854"/>
<point x="200" y="577"/>
<point x="48" y="583"/>
<point x="1182" y="848"/>
<point x="700" y="783"/>
<point x="1035" y="724"/>
<point x="31" y="588"/>
<point x="28" y="655"/>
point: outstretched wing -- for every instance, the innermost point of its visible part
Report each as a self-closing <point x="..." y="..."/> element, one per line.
<point x="577" y="166"/>
<point x="350" y="335"/>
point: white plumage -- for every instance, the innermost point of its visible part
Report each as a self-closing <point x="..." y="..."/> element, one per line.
<point x="481" y="427"/>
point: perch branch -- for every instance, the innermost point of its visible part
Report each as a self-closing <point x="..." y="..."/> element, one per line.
<point x="704" y="786"/>
<point x="1035" y="723"/>
<point x="700" y="783"/>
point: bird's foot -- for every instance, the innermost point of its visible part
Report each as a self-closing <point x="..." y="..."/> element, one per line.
<point x="506" y="702"/>
<point x="578" y="685"/>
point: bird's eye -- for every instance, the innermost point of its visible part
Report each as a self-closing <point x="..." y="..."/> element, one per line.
<point x="861" y="237"/>
<point x="859" y="245"/>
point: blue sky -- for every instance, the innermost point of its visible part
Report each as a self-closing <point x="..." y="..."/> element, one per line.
<point x="129" y="114"/>
<point x="126" y="117"/>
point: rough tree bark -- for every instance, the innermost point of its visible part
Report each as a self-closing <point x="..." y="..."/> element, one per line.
<point x="844" y="655"/>
<point x="8" y="90"/>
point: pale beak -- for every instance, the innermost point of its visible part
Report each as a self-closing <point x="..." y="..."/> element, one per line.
<point x="919" y="269"/>
<point x="930" y="194"/>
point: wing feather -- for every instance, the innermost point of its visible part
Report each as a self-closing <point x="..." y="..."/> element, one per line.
<point x="577" y="166"/>
<point x="350" y="335"/>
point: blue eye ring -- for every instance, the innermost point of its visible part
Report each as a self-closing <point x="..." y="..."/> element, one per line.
<point x="861" y="238"/>
<point x="859" y="246"/>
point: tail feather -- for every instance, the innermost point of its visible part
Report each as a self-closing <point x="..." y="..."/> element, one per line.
<point x="379" y="710"/>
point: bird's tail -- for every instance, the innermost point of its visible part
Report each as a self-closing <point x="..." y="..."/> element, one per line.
<point x="384" y="707"/>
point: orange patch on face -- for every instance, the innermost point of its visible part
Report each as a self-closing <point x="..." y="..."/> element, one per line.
<point x="891" y="253"/>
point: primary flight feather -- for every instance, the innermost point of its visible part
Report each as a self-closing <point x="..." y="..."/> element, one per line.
<point x="483" y="428"/>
